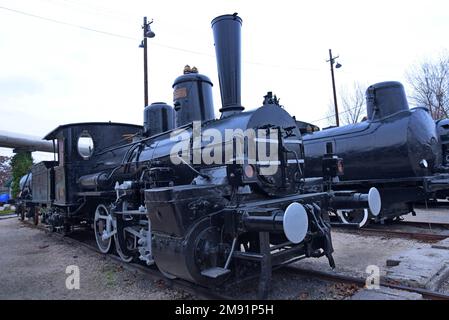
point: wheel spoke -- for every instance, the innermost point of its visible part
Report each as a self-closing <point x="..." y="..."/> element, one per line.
<point x="99" y="224"/>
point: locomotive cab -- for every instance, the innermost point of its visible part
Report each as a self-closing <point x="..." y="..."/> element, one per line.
<point x="79" y="147"/>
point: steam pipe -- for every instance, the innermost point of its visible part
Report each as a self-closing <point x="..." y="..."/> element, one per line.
<point x="23" y="142"/>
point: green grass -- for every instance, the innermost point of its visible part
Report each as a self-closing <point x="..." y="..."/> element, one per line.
<point x="5" y="212"/>
<point x="110" y="277"/>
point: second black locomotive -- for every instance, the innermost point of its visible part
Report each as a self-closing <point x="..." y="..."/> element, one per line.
<point x="399" y="150"/>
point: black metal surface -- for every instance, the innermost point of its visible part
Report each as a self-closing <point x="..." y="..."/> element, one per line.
<point x="192" y="98"/>
<point x="161" y="148"/>
<point x="385" y="99"/>
<point x="172" y="210"/>
<point x="226" y="29"/>
<point x="350" y="201"/>
<point x="270" y="221"/>
<point x="158" y="117"/>
<point x="72" y="165"/>
<point x="388" y="148"/>
<point x="400" y="151"/>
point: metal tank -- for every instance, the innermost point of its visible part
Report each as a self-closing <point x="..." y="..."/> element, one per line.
<point x="192" y="98"/>
<point x="384" y="99"/>
<point x="158" y="117"/>
<point x="401" y="143"/>
<point x="26" y="181"/>
<point x="393" y="148"/>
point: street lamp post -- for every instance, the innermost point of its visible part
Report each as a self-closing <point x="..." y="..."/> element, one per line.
<point x="331" y="62"/>
<point x="147" y="33"/>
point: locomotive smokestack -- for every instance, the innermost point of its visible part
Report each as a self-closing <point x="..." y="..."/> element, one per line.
<point x="226" y="30"/>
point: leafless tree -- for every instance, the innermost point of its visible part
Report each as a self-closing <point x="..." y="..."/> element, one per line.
<point x="351" y="106"/>
<point x="430" y="83"/>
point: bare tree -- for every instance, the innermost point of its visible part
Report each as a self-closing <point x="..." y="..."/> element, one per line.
<point x="352" y="105"/>
<point x="430" y="84"/>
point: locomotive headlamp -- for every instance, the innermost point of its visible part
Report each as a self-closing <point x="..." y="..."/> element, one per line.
<point x="332" y="166"/>
<point x="239" y="175"/>
<point x="340" y="168"/>
<point x="249" y="171"/>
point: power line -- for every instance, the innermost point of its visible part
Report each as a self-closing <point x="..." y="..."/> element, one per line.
<point x="100" y="31"/>
<point x="155" y="43"/>
<point x="69" y="24"/>
<point x="87" y="8"/>
<point x="331" y="116"/>
<point x="107" y="33"/>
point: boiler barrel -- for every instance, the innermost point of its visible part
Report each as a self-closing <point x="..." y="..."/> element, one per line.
<point x="94" y="181"/>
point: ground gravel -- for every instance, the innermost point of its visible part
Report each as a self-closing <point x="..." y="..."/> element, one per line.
<point x="33" y="266"/>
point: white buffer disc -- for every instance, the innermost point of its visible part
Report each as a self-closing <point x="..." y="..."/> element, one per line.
<point x="374" y="201"/>
<point x="295" y="223"/>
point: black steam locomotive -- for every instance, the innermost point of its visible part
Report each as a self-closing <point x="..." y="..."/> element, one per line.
<point x="188" y="192"/>
<point x="399" y="150"/>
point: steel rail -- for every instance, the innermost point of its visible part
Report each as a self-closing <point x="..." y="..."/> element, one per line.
<point x="422" y="236"/>
<point x="207" y="293"/>
<point x="335" y="277"/>
<point x="152" y="272"/>
<point x="424" y="224"/>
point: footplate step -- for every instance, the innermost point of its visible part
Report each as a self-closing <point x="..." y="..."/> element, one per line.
<point x="215" y="273"/>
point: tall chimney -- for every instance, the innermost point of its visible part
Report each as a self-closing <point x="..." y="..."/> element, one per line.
<point x="226" y="30"/>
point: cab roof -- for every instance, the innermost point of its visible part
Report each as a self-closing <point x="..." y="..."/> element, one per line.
<point x="52" y="135"/>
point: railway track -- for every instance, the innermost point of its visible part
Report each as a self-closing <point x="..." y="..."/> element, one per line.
<point x="425" y="231"/>
<point x="432" y="237"/>
<point x="151" y="272"/>
<point x="360" y="282"/>
<point x="433" y="204"/>
<point x="425" y="224"/>
<point x="206" y="293"/>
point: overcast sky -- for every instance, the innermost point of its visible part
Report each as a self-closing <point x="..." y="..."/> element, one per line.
<point x="53" y="73"/>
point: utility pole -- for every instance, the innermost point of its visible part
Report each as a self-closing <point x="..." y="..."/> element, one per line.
<point x="332" y="61"/>
<point x="147" y="33"/>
